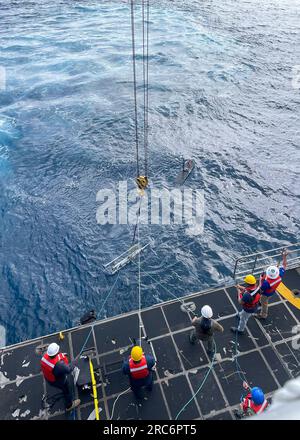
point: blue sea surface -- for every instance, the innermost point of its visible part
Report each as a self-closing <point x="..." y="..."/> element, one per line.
<point x="222" y="92"/>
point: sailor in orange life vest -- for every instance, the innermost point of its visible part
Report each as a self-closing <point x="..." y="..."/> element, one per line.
<point x="248" y="297"/>
<point x="270" y="280"/>
<point x="56" y="368"/>
<point x="139" y="369"/>
<point x="253" y="403"/>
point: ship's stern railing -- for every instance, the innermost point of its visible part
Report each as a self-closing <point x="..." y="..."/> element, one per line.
<point x="258" y="262"/>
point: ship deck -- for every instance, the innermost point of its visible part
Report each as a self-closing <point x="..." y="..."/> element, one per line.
<point x="265" y="354"/>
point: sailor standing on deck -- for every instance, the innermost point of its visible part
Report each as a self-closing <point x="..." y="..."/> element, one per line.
<point x="205" y="327"/>
<point x="248" y="297"/>
<point x="139" y="369"/>
<point x="270" y="280"/>
<point x="56" y="368"/>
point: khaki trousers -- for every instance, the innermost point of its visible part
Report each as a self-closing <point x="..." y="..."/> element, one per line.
<point x="264" y="301"/>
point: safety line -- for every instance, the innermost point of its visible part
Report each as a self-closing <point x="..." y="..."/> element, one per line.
<point x="202" y="384"/>
<point x="239" y="371"/>
<point x="167" y="290"/>
<point x="110" y="292"/>
<point x="113" y="408"/>
<point x="137" y="219"/>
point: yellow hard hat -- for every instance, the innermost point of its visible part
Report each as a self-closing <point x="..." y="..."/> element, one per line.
<point x="137" y="353"/>
<point x="250" y="279"/>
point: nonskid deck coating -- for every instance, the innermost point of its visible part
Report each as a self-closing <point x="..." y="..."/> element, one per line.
<point x="265" y="356"/>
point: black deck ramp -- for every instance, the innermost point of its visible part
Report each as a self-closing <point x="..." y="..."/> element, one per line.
<point x="21" y="361"/>
<point x="22" y="400"/>
<point x="178" y="393"/>
<point x="168" y="362"/>
<point x="250" y="367"/>
<point x="267" y="355"/>
<point x="222" y="416"/>
<point x="257" y="332"/>
<point x="117" y="333"/>
<point x="226" y="341"/>
<point x="209" y="397"/>
<point x="154" y="323"/>
<point x="290" y="355"/>
<point x="218" y="301"/>
<point x="150" y="407"/>
<point x="279" y="323"/>
<point x="291" y="279"/>
<point x="192" y="356"/>
<point x="177" y="319"/>
<point x="279" y="369"/>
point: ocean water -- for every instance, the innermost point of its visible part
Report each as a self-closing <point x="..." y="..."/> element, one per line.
<point x="222" y="91"/>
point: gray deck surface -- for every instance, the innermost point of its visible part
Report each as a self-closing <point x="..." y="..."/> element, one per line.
<point x="265" y="355"/>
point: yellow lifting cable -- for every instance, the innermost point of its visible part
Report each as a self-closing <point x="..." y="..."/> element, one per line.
<point x="95" y="396"/>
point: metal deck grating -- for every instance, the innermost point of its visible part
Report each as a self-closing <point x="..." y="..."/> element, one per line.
<point x="265" y="355"/>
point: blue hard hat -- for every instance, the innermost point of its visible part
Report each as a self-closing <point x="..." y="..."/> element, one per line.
<point x="258" y="396"/>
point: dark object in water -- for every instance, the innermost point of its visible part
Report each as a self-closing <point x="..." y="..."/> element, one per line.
<point x="188" y="166"/>
<point x="88" y="317"/>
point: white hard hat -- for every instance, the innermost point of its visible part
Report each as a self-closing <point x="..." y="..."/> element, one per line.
<point x="206" y="312"/>
<point x="53" y="349"/>
<point x="272" y="272"/>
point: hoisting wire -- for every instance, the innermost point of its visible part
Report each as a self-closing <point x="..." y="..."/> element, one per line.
<point x="147" y="89"/>
<point x="135" y="89"/>
<point x="146" y="78"/>
<point x="141" y="180"/>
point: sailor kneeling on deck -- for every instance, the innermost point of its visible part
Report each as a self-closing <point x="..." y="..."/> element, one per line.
<point x="253" y="403"/>
<point x="139" y="369"/>
<point x="56" y="368"/>
<point x="205" y="327"/>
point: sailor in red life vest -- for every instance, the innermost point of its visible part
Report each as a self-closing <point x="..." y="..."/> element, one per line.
<point x="270" y="280"/>
<point x="253" y="403"/>
<point x="139" y="369"/>
<point x="56" y="368"/>
<point x="248" y="297"/>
